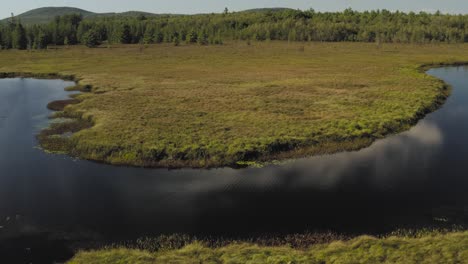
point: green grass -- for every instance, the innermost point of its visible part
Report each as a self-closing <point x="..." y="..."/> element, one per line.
<point x="206" y="106"/>
<point x="430" y="248"/>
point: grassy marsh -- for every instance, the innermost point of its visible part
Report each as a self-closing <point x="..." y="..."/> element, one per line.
<point x="208" y="106"/>
<point x="429" y="248"/>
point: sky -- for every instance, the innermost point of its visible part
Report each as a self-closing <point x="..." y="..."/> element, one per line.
<point x="208" y="6"/>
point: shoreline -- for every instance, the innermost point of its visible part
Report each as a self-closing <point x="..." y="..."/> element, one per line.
<point x="413" y="248"/>
<point x="51" y="140"/>
<point x="67" y="246"/>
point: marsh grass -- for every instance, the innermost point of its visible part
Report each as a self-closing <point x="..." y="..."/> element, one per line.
<point x="210" y="106"/>
<point x="56" y="138"/>
<point x="60" y="105"/>
<point x="178" y="241"/>
<point x="439" y="247"/>
<point x="79" y="88"/>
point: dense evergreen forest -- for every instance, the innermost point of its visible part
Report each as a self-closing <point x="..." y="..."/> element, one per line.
<point x="291" y="25"/>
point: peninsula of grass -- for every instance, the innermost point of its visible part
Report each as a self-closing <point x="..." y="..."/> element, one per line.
<point x="210" y="106"/>
<point x="430" y="248"/>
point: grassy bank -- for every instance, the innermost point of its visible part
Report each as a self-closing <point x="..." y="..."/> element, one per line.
<point x="203" y="106"/>
<point x="432" y="248"/>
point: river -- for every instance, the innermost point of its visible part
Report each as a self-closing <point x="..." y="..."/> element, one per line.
<point x="48" y="202"/>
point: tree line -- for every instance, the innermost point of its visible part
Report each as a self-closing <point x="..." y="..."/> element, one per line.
<point x="290" y="25"/>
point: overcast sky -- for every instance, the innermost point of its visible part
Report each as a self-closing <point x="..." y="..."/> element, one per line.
<point x="208" y="6"/>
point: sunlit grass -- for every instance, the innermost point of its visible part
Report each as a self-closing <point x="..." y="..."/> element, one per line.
<point x="430" y="248"/>
<point x="203" y="106"/>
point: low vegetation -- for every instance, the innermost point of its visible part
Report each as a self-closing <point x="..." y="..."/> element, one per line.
<point x="430" y="248"/>
<point x="208" y="106"/>
<point x="61" y="104"/>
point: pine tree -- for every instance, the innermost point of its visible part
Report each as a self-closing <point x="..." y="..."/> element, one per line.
<point x="148" y="37"/>
<point x="126" y="37"/>
<point x="203" y="38"/>
<point x="91" y="39"/>
<point x="19" y="37"/>
<point x="292" y="35"/>
<point x="40" y="40"/>
<point x="193" y="37"/>
<point x="176" y="39"/>
<point x="159" y="37"/>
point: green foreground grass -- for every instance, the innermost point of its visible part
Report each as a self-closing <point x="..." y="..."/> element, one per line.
<point x="436" y="248"/>
<point x="207" y="106"/>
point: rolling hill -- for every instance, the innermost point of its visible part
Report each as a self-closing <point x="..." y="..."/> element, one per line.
<point x="47" y="14"/>
<point x="265" y="10"/>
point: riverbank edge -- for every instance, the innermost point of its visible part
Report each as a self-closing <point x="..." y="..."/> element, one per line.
<point x="432" y="247"/>
<point x="51" y="139"/>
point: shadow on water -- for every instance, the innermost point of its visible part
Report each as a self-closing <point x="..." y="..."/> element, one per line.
<point x="51" y="204"/>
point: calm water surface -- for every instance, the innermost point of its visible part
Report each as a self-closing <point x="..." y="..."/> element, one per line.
<point x="417" y="178"/>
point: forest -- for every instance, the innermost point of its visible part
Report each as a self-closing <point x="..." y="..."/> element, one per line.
<point x="380" y="26"/>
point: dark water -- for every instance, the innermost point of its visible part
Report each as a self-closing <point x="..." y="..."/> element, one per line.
<point x="415" y="179"/>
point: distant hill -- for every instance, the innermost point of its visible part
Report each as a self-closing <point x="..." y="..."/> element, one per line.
<point x="123" y="14"/>
<point x="264" y="10"/>
<point x="47" y="14"/>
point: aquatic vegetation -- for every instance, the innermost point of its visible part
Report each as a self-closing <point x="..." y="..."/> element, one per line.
<point x="209" y="106"/>
<point x="57" y="138"/>
<point x="60" y="105"/>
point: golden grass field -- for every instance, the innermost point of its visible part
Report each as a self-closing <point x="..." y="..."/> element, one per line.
<point x="430" y="249"/>
<point x="204" y="106"/>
